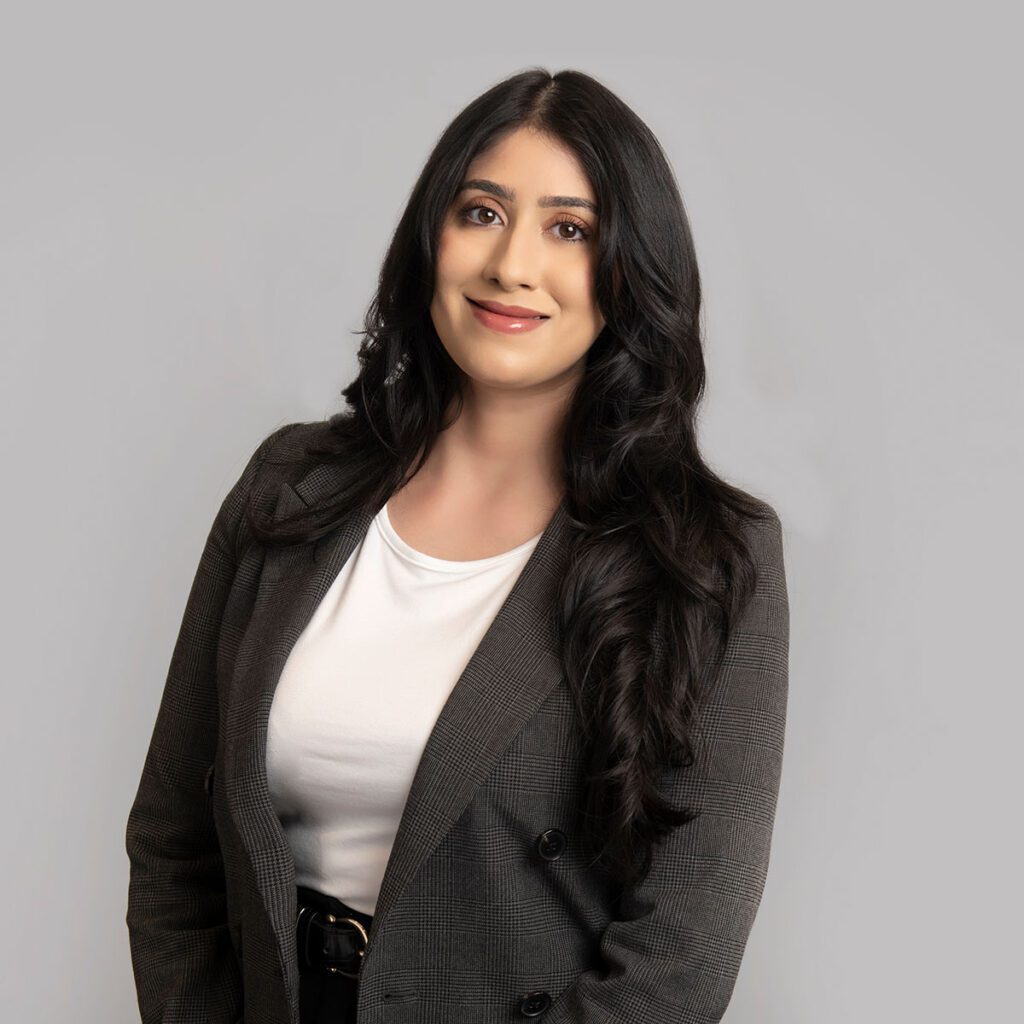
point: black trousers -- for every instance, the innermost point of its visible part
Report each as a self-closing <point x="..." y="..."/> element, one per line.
<point x="328" y="998"/>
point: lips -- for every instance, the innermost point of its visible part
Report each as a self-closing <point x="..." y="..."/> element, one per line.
<point x="513" y="312"/>
<point x="506" y="323"/>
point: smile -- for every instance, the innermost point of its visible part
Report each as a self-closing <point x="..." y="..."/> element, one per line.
<point x="506" y="324"/>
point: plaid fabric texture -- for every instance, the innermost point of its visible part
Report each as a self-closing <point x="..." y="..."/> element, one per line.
<point x="487" y="911"/>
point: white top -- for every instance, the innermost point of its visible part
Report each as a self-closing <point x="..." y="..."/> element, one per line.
<point x="359" y="695"/>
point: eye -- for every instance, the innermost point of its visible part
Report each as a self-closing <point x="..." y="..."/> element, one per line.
<point x="582" y="231"/>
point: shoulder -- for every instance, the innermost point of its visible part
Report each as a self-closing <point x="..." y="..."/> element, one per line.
<point x="762" y="582"/>
<point x="282" y="459"/>
<point x="768" y="611"/>
<point x="761" y="527"/>
<point x="289" y="444"/>
<point x="288" y="452"/>
<point x="766" y="535"/>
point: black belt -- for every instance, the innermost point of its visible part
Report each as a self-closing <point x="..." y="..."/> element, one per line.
<point x="329" y="944"/>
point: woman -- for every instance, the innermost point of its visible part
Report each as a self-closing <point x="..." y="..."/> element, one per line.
<point x="477" y="708"/>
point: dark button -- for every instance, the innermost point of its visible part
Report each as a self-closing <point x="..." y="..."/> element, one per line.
<point x="551" y="844"/>
<point x="208" y="782"/>
<point x="533" y="1004"/>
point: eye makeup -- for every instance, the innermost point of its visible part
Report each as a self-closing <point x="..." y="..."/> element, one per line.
<point x="583" y="230"/>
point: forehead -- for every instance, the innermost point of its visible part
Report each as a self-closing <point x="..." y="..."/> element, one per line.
<point x="529" y="164"/>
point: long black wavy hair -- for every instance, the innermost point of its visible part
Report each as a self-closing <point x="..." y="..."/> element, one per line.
<point x="659" y="568"/>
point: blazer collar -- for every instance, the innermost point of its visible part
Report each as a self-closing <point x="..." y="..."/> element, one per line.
<point x="510" y="674"/>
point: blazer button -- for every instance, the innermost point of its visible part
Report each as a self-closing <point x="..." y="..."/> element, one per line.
<point x="533" y="1004"/>
<point x="208" y="782"/>
<point x="551" y="844"/>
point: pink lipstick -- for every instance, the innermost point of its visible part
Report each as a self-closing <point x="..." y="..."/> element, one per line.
<point x="507" y="319"/>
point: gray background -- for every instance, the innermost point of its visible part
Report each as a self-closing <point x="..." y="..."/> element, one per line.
<point x="195" y="200"/>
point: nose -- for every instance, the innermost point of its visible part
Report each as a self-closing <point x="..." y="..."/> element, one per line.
<point x="515" y="260"/>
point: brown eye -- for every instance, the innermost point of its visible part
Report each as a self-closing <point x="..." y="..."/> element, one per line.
<point x="467" y="210"/>
<point x="582" y="231"/>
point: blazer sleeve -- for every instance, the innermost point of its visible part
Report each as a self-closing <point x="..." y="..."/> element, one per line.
<point x="186" y="971"/>
<point x="674" y="954"/>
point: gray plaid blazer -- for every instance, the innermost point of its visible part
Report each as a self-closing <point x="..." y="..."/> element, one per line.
<point x="487" y="911"/>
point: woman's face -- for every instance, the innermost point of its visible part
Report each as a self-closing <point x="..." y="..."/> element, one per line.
<point x="506" y="240"/>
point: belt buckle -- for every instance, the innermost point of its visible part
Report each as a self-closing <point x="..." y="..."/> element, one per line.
<point x="360" y="931"/>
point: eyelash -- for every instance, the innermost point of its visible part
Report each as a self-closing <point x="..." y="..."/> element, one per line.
<point x="579" y="225"/>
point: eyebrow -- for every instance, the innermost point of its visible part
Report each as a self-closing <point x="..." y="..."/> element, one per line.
<point x="485" y="185"/>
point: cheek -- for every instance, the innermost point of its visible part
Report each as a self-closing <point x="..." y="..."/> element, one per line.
<point x="455" y="259"/>
<point x="580" y="289"/>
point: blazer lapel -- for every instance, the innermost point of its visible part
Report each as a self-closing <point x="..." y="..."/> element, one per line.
<point x="508" y="677"/>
